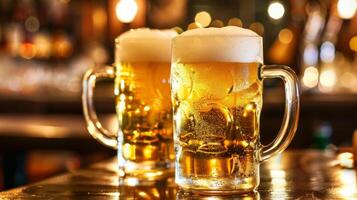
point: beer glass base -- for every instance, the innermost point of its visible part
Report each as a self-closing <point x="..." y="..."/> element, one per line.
<point x="147" y="170"/>
<point x="222" y="186"/>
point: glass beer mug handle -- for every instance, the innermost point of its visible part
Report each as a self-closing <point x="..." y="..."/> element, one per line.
<point x="94" y="127"/>
<point x="292" y="104"/>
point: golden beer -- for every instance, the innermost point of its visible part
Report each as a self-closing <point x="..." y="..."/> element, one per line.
<point x="142" y="100"/>
<point x="141" y="74"/>
<point x="216" y="92"/>
<point x="216" y="110"/>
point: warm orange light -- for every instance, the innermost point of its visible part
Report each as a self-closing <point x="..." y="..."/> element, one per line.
<point x="178" y="29"/>
<point x="286" y="36"/>
<point x="15" y="38"/>
<point x="353" y="43"/>
<point x="257" y="27"/>
<point x="193" y="25"/>
<point x="99" y="19"/>
<point x="348" y="80"/>
<point x="217" y="23"/>
<point x="28" y="50"/>
<point x="235" y="22"/>
<point x="43" y="45"/>
<point x="62" y="47"/>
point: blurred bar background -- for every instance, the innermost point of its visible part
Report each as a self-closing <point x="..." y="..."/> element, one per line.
<point x="47" y="45"/>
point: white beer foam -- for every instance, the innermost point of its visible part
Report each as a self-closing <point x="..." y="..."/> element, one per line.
<point x="144" y="45"/>
<point x="227" y="44"/>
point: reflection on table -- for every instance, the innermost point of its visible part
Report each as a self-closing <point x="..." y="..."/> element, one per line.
<point x="293" y="175"/>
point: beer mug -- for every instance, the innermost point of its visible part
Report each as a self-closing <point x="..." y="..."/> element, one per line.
<point x="141" y="75"/>
<point x="216" y="91"/>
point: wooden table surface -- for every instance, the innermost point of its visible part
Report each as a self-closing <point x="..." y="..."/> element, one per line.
<point x="293" y="175"/>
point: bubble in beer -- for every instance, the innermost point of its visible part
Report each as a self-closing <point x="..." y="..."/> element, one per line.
<point x="210" y="87"/>
<point x="181" y="82"/>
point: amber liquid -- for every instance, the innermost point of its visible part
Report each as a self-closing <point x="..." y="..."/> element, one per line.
<point x="142" y="99"/>
<point x="216" y="124"/>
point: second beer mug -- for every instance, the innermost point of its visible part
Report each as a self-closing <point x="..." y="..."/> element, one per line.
<point x="217" y="87"/>
<point x="142" y="99"/>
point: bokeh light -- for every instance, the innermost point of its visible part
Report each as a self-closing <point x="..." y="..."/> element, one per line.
<point x="348" y="80"/>
<point x="193" y="25"/>
<point x="217" y="23"/>
<point x="126" y="10"/>
<point x="353" y="43"/>
<point x="345" y="159"/>
<point x="61" y="46"/>
<point x="327" y="52"/>
<point x="28" y="50"/>
<point x="98" y="54"/>
<point x="257" y="27"/>
<point x="99" y="19"/>
<point x="346" y="8"/>
<point x="203" y="19"/>
<point x="276" y="10"/>
<point x="178" y="29"/>
<point x="32" y="24"/>
<point x="235" y="22"/>
<point x="347" y="181"/>
<point x="15" y="37"/>
<point x="43" y="45"/>
<point x="311" y="77"/>
<point x="328" y="78"/>
<point x="311" y="54"/>
<point x="286" y="36"/>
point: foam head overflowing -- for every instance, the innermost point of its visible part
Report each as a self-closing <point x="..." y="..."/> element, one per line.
<point x="144" y="45"/>
<point x="227" y="44"/>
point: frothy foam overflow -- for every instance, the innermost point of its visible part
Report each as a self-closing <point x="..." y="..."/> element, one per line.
<point x="144" y="45"/>
<point x="227" y="44"/>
